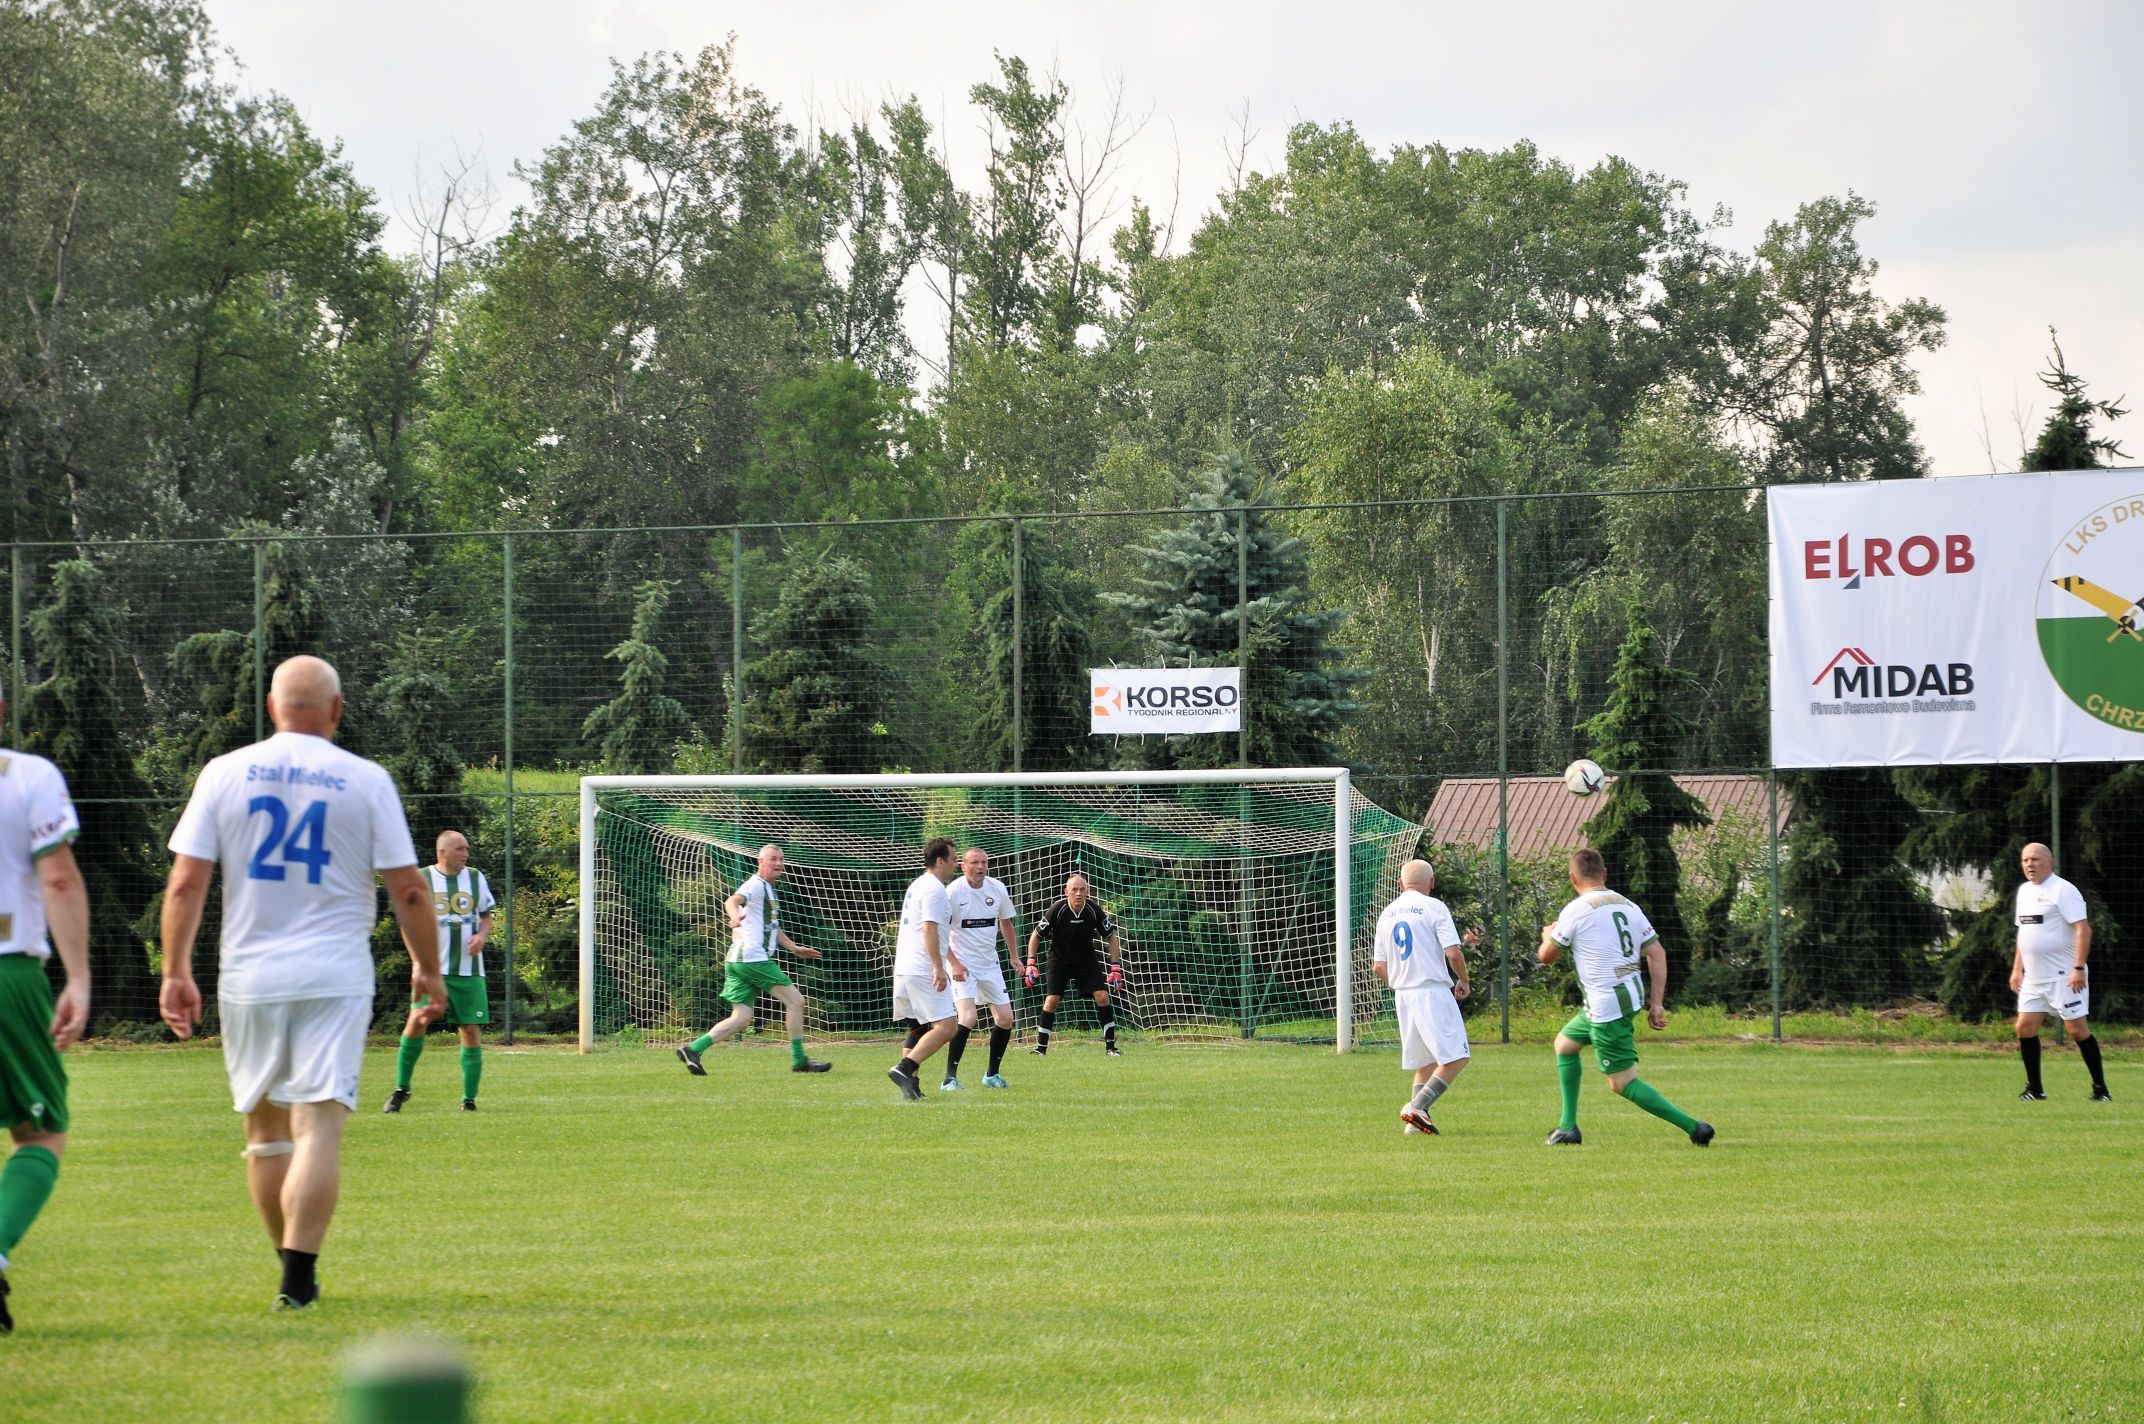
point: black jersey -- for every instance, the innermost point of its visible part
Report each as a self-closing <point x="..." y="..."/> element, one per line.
<point x="1077" y="931"/>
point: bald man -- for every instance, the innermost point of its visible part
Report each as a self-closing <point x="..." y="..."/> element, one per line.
<point x="2054" y="939"/>
<point x="299" y="827"/>
<point x="462" y="903"/>
<point x="1074" y="926"/>
<point x="1422" y="960"/>
<point x="755" y="915"/>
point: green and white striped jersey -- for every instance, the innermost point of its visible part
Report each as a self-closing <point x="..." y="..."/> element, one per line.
<point x="459" y="901"/>
<point x="753" y="941"/>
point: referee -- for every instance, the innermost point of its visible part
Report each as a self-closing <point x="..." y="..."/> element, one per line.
<point x="1075" y="925"/>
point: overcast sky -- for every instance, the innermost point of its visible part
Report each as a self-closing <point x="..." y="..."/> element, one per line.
<point x="1999" y="141"/>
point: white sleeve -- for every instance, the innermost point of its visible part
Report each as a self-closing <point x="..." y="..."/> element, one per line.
<point x="1566" y="927"/>
<point x="485" y="902"/>
<point x="392" y="848"/>
<point x="941" y="902"/>
<point x="1383" y="952"/>
<point x="2070" y="903"/>
<point x="1642" y="932"/>
<point x="1447" y="932"/>
<point x="53" y="822"/>
<point x="1004" y="900"/>
<point x="195" y="834"/>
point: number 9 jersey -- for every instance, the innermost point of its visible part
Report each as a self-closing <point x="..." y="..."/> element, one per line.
<point x="299" y="826"/>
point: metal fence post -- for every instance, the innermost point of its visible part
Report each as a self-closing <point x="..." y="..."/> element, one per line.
<point x="260" y="642"/>
<point x="1019" y="647"/>
<point x="1243" y="637"/>
<point x="1503" y="766"/>
<point x="14" y="645"/>
<point x="2054" y="811"/>
<point x="1771" y="789"/>
<point x="737" y="649"/>
<point x="507" y="591"/>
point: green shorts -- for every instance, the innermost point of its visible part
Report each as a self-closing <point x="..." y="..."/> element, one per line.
<point x="743" y="983"/>
<point x="467" y="1002"/>
<point x="33" y="1085"/>
<point x="1613" y="1043"/>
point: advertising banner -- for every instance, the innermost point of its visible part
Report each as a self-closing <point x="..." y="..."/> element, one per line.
<point x="1132" y="702"/>
<point x="1980" y="619"/>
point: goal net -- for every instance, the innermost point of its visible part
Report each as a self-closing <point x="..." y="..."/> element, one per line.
<point x="1245" y="900"/>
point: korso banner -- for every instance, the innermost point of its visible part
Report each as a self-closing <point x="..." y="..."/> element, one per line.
<point x="1133" y="702"/>
<point x="1978" y="619"/>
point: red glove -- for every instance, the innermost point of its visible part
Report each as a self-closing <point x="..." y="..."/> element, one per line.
<point x="1116" y="976"/>
<point x="1030" y="976"/>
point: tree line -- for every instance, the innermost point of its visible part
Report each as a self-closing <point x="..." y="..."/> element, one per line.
<point x="707" y="314"/>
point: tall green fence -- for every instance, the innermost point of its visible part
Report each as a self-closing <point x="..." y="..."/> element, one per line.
<point x="1456" y="654"/>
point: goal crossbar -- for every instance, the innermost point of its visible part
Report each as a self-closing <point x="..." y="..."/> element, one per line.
<point x="593" y="787"/>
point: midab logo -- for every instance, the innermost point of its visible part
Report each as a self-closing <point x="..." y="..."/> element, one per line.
<point x="1854" y="673"/>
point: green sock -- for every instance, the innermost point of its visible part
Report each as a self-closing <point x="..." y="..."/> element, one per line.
<point x="1569" y="1071"/>
<point x="406" y="1060"/>
<point x="25" y="1184"/>
<point x="796" y="1051"/>
<point x="701" y="1044"/>
<point x="472" y="1070"/>
<point x="1646" y="1096"/>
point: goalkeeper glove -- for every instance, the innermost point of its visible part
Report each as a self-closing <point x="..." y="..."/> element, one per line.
<point x="1116" y="976"/>
<point x="1029" y="976"/>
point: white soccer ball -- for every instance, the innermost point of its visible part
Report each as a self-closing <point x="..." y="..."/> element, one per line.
<point x="1584" y="777"/>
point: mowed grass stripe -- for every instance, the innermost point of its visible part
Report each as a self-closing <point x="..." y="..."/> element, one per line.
<point x="1184" y="1232"/>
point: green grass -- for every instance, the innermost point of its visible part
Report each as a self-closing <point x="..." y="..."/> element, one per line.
<point x="1221" y="1233"/>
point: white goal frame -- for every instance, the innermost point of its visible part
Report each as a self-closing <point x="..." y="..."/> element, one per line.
<point x="1343" y="838"/>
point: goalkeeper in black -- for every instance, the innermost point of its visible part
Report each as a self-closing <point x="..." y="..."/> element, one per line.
<point x="1075" y="925"/>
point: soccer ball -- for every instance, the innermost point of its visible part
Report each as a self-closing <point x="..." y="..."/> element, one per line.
<point x="1584" y="777"/>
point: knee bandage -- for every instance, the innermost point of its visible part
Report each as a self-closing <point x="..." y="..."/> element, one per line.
<point x="269" y="1149"/>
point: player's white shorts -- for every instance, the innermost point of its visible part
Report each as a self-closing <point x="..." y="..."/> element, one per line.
<point x="982" y="987"/>
<point x="1431" y="1030"/>
<point x="296" y="1051"/>
<point x="2055" y="996"/>
<point x="914" y="998"/>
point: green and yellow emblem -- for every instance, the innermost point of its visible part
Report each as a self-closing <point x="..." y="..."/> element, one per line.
<point x="2091" y="614"/>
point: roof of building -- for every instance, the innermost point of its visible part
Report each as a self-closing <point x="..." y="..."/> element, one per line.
<point x="1545" y="817"/>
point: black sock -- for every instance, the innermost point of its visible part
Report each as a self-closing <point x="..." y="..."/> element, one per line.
<point x="955" y="1049"/>
<point x="1107" y="1013"/>
<point x="1043" y="1021"/>
<point x="999" y="1037"/>
<point x="298" y="1282"/>
<point x="907" y="1065"/>
<point x="2088" y="1049"/>
<point x="915" y="1036"/>
<point x="2029" y="1050"/>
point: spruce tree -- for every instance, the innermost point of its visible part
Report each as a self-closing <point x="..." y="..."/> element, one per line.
<point x="637" y="731"/>
<point x="1055" y="651"/>
<point x="1294" y="702"/>
<point x="814" y="697"/>
<point x="413" y="736"/>
<point x="1637" y="736"/>
<point x="74" y="718"/>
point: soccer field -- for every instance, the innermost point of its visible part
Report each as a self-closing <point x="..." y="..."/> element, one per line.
<point x="1210" y="1232"/>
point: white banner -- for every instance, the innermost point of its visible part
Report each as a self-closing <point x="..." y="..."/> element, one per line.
<point x="1131" y="702"/>
<point x="1975" y="619"/>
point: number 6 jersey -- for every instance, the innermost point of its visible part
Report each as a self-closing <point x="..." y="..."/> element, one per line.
<point x="1606" y="934"/>
<point x="299" y="826"/>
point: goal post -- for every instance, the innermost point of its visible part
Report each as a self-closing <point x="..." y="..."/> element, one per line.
<point x="1244" y="898"/>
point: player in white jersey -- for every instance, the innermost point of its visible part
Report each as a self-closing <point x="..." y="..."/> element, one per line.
<point x="1420" y="957"/>
<point x="2054" y="939"/>
<point x="982" y="918"/>
<point x="299" y="827"/>
<point x="462" y="903"/>
<point x="754" y="909"/>
<point x="1608" y="935"/>
<point x="920" y="978"/>
<point x="40" y="887"/>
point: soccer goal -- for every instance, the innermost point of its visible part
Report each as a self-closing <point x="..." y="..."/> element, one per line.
<point x="1245" y="899"/>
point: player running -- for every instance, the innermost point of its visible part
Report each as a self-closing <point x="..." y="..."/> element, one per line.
<point x="2054" y="938"/>
<point x="299" y="826"/>
<point x="40" y="886"/>
<point x="920" y="979"/>
<point x="982" y="917"/>
<point x="1075" y="925"/>
<point x="1606" y="934"/>
<point x="755" y="916"/>
<point x="1419" y="956"/>
<point x="462" y="902"/>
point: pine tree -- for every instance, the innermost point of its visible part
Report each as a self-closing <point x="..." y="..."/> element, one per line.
<point x="1637" y="733"/>
<point x="637" y="731"/>
<point x="1056" y="652"/>
<point x="813" y="699"/>
<point x="2066" y="441"/>
<point x="413" y="733"/>
<point x="74" y="718"/>
<point x="1856" y="926"/>
<point x="1294" y="702"/>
